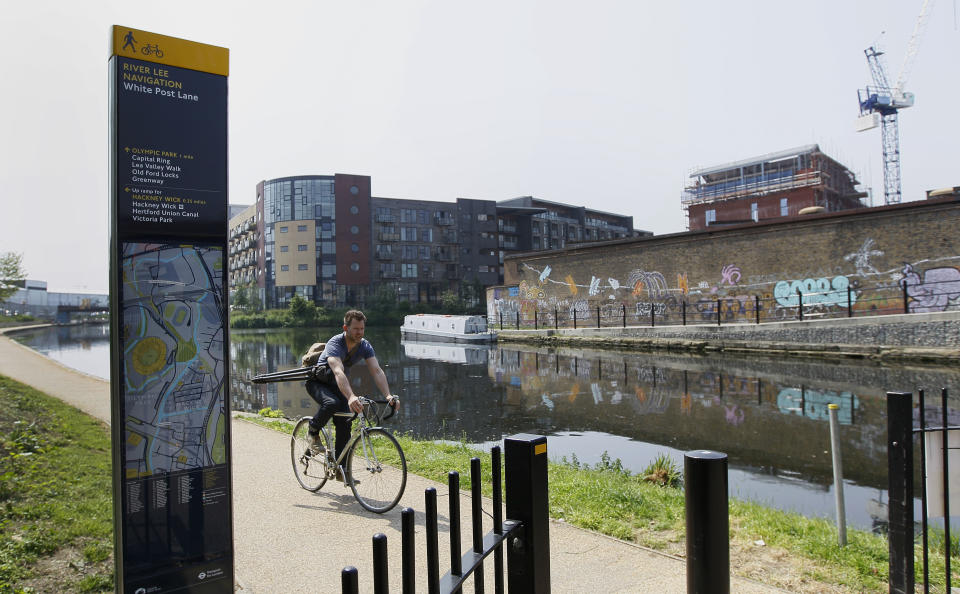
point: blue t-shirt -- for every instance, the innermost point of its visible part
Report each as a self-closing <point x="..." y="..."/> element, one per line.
<point x="337" y="347"/>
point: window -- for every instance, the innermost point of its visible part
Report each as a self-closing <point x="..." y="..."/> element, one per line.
<point x="409" y="270"/>
<point x="354" y="190"/>
<point x="754" y="213"/>
<point x="710" y="217"/>
<point x="329" y="271"/>
<point x="426" y="235"/>
<point x="354" y="266"/>
<point x="482" y="217"/>
<point x="354" y="230"/>
<point x="409" y="252"/>
<point x="483" y="268"/>
<point x="284" y="267"/>
<point x="784" y="210"/>
<point x="284" y="248"/>
<point x="424" y="252"/>
<point x="283" y="229"/>
<point x="354" y="248"/>
<point x="303" y="266"/>
<point x="408" y="215"/>
<point x="301" y="227"/>
<point x="423" y="217"/>
<point x="354" y="210"/>
<point x="408" y="233"/>
<point x="302" y="247"/>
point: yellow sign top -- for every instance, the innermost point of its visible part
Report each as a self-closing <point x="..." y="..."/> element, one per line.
<point x="153" y="47"/>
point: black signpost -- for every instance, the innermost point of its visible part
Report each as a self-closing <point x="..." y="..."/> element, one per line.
<point x="169" y="333"/>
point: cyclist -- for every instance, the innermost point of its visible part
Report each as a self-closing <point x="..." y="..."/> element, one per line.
<point x="331" y="388"/>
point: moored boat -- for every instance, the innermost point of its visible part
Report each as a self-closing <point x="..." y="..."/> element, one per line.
<point x="447" y="328"/>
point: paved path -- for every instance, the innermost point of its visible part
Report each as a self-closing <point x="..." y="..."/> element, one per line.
<point x="289" y="540"/>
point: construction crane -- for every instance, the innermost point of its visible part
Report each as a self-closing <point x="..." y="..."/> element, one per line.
<point x="880" y="103"/>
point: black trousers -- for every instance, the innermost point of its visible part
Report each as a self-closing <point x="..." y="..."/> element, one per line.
<point x="331" y="401"/>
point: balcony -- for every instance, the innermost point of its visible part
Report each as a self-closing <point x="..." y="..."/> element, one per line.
<point x="443" y="220"/>
<point x="388" y="236"/>
<point x="385" y="218"/>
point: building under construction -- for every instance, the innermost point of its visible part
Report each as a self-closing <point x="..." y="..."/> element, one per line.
<point x="771" y="186"/>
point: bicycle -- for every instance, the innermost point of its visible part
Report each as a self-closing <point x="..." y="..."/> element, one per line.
<point x="372" y="462"/>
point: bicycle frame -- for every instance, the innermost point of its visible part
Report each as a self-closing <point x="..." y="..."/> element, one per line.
<point x="356" y="434"/>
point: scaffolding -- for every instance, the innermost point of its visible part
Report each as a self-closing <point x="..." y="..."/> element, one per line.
<point x="778" y="172"/>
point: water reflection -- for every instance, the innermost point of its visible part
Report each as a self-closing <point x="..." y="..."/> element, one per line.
<point x="768" y="415"/>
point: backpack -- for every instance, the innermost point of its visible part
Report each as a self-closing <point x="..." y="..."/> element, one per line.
<point x="313" y="354"/>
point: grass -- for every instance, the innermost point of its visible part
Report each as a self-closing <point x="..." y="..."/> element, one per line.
<point x="779" y="548"/>
<point x="56" y="519"/>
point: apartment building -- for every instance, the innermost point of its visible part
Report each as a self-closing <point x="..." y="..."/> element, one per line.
<point x="325" y="237"/>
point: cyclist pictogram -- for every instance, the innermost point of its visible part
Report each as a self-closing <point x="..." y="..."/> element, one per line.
<point x="152" y="49"/>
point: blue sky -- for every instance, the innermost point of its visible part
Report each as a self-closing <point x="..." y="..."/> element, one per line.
<point x="607" y="104"/>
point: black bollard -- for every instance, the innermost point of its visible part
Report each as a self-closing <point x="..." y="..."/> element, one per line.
<point x="381" y="573"/>
<point x="708" y="523"/>
<point x="349" y="580"/>
<point x="408" y="566"/>
<point x="900" y="489"/>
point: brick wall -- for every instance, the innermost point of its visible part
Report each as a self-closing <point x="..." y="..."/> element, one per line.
<point x="871" y="252"/>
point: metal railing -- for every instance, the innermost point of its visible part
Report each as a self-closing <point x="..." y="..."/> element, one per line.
<point x="901" y="431"/>
<point x="526" y="529"/>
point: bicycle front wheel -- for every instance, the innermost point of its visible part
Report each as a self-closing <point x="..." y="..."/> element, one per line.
<point x="310" y="468"/>
<point x="377" y="470"/>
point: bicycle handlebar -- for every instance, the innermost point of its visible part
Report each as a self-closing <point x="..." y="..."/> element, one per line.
<point x="364" y="401"/>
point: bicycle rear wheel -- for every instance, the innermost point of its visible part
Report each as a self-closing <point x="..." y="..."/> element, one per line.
<point x="377" y="470"/>
<point x="309" y="468"/>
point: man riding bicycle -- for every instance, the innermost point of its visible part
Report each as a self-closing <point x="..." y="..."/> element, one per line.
<point x="330" y="385"/>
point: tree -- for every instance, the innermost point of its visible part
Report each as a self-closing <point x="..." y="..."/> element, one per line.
<point x="11" y="273"/>
<point x="451" y="302"/>
<point x="240" y="299"/>
<point x="302" y="312"/>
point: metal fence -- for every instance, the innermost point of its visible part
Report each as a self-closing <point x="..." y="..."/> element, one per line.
<point x="526" y="530"/>
<point x="901" y="432"/>
<point x="831" y="301"/>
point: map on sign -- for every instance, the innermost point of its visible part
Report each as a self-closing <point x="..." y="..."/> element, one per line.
<point x="173" y="357"/>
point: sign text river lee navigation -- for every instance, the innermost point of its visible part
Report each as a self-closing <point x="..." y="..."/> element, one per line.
<point x="169" y="365"/>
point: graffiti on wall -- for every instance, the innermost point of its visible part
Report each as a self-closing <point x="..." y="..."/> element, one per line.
<point x="730" y="275"/>
<point x="816" y="291"/>
<point x="861" y="258"/>
<point x="735" y="289"/>
<point x="652" y="282"/>
<point x="644" y="309"/>
<point x="933" y="292"/>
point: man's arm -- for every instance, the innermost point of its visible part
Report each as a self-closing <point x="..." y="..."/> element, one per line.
<point x="379" y="378"/>
<point x="343" y="382"/>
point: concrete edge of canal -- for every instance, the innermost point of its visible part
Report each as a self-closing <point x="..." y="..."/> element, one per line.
<point x="905" y="338"/>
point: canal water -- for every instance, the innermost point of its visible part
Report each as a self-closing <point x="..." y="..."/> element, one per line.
<point x="768" y="415"/>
